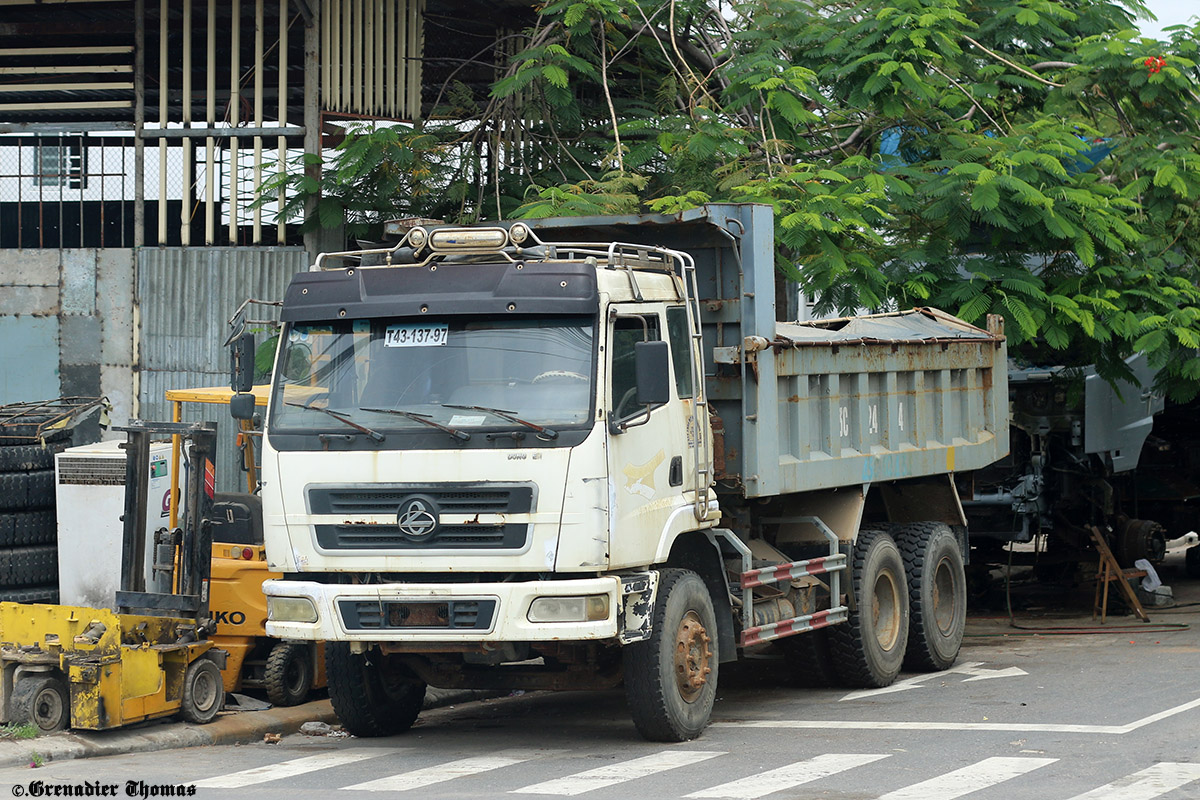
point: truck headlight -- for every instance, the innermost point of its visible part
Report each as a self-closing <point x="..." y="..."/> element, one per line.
<point x="591" y="608"/>
<point x="291" y="609"/>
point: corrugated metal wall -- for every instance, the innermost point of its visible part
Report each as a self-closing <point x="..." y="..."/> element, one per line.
<point x="186" y="295"/>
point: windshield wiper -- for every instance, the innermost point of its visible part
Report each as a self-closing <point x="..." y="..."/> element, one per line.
<point x="542" y="432"/>
<point x="423" y="418"/>
<point x="341" y="417"/>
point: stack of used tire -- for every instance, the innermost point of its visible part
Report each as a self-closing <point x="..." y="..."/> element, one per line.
<point x="28" y="523"/>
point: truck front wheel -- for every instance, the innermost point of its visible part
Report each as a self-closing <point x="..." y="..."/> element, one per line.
<point x="937" y="589"/>
<point x="671" y="678"/>
<point x="371" y="696"/>
<point x="868" y="649"/>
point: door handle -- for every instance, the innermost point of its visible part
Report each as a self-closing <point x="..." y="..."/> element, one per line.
<point x="675" y="476"/>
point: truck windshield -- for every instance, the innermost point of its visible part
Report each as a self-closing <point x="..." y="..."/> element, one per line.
<point x="537" y="370"/>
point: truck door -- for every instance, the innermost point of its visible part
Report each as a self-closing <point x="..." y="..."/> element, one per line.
<point x="648" y="456"/>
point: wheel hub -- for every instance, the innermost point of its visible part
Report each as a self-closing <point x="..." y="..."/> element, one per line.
<point x="693" y="657"/>
<point x="885" y="609"/>
<point x="943" y="596"/>
<point x="206" y="691"/>
<point x="293" y="676"/>
<point x="48" y="709"/>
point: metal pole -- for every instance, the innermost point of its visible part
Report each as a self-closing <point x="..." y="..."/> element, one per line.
<point x="162" y="123"/>
<point x="389" y="59"/>
<point x="358" y="57"/>
<point x="312" y="119"/>
<point x="139" y="120"/>
<point x="416" y="46"/>
<point x="367" y="56"/>
<point x="258" y="116"/>
<point x="281" y="225"/>
<point x="235" y="110"/>
<point x="378" y="62"/>
<point x="210" y="117"/>
<point x="343" y="98"/>
<point x="185" y="204"/>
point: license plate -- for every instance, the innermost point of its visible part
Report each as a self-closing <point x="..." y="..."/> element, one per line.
<point x="427" y="335"/>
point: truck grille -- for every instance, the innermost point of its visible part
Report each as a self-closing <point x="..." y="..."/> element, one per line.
<point x="364" y="536"/>
<point x="459" y="499"/>
<point x="423" y="615"/>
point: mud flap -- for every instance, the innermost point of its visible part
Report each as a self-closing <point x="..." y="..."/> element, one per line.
<point x="636" y="618"/>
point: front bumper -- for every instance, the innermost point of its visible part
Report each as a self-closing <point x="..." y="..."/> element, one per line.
<point x="507" y="605"/>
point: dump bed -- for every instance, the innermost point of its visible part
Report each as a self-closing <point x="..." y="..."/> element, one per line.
<point x="821" y="404"/>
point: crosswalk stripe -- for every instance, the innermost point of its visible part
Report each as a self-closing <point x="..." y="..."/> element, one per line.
<point x="428" y="776"/>
<point x="1147" y="783"/>
<point x="286" y="769"/>
<point x="969" y="779"/>
<point x="777" y="780"/>
<point x="612" y="774"/>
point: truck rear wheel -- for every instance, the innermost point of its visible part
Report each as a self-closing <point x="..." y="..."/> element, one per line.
<point x="43" y="701"/>
<point x="288" y="676"/>
<point x="937" y="593"/>
<point x="370" y="696"/>
<point x="671" y="678"/>
<point x="868" y="649"/>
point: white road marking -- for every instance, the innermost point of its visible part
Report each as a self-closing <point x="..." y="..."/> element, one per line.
<point x="1030" y="727"/>
<point x="612" y="774"/>
<point x="987" y="674"/>
<point x="898" y="686"/>
<point x="981" y="775"/>
<point x="792" y="775"/>
<point x="1146" y="784"/>
<point x="428" y="776"/>
<point x="883" y="725"/>
<point x="1170" y="712"/>
<point x="287" y="769"/>
<point x="975" y="669"/>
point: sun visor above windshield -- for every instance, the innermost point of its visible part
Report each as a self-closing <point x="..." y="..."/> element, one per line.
<point x="556" y="287"/>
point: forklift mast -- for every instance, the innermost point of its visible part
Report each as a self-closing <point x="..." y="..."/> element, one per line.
<point x="182" y="557"/>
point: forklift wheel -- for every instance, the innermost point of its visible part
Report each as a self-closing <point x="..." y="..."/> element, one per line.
<point x="289" y="674"/>
<point x="203" y="692"/>
<point x="43" y="701"/>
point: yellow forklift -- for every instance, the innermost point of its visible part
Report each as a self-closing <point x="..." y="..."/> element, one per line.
<point x="286" y="671"/>
<point x="93" y="669"/>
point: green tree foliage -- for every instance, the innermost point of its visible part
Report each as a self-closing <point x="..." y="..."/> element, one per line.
<point x="1035" y="159"/>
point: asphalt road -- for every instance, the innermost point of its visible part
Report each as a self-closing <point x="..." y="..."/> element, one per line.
<point x="1020" y="716"/>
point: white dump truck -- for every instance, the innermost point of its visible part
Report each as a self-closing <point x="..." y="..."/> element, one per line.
<point x="576" y="452"/>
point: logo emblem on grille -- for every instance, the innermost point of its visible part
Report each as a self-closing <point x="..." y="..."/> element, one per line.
<point x="417" y="517"/>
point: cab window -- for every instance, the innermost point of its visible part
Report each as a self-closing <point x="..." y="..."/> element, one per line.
<point x="627" y="331"/>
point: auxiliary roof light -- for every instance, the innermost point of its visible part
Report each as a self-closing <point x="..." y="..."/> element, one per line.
<point x="518" y="233"/>
<point x="417" y="238"/>
<point x="468" y="240"/>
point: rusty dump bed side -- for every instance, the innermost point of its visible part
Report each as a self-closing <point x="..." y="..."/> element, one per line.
<point x="819" y="405"/>
<point x="882" y="397"/>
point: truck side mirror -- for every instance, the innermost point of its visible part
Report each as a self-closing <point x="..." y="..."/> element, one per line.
<point x="241" y="406"/>
<point x="653" y="372"/>
<point x="241" y="363"/>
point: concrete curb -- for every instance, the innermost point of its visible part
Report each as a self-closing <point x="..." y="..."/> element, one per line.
<point x="232" y="728"/>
